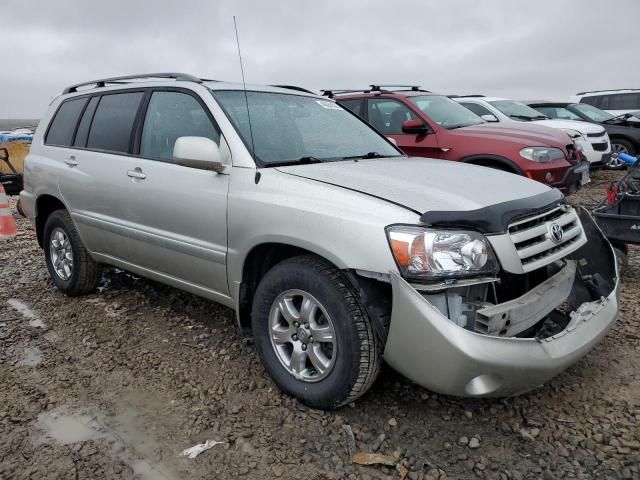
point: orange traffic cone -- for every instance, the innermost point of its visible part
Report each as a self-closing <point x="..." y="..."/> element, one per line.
<point x="7" y="222"/>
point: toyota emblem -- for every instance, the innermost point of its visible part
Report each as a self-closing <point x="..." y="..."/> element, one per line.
<point x="556" y="233"/>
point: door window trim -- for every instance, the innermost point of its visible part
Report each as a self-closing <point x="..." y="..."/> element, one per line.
<point x="136" y="131"/>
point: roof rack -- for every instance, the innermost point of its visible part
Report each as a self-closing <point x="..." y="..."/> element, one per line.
<point x="294" y="87"/>
<point x="374" y="88"/>
<point x="466" y="96"/>
<point x="119" y="80"/>
<point x="340" y="91"/>
<point x="609" y="90"/>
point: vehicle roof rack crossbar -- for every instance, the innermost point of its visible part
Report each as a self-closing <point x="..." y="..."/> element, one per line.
<point x="294" y="87"/>
<point x="104" y="81"/>
<point x="608" y="90"/>
<point x="339" y="91"/>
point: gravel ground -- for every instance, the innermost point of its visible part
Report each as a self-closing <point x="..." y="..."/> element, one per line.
<point x="116" y="384"/>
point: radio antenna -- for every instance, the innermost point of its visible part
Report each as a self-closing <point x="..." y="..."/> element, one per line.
<point x="244" y="86"/>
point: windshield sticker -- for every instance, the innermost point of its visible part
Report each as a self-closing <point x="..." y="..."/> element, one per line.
<point x="328" y="104"/>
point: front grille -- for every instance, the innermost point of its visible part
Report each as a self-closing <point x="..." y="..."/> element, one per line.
<point x="600" y="147"/>
<point x="533" y="241"/>
<point x="593" y="135"/>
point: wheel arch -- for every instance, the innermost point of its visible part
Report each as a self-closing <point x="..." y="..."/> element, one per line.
<point x="45" y="205"/>
<point x="621" y="136"/>
<point x="490" y="160"/>
<point x="374" y="295"/>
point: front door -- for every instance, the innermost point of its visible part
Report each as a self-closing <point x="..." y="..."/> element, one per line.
<point x="177" y="215"/>
<point x="387" y="116"/>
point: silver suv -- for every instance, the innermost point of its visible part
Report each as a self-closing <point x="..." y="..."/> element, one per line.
<point x="335" y="250"/>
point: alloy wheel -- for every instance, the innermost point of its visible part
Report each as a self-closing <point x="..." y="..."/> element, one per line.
<point x="61" y="254"/>
<point x="302" y="335"/>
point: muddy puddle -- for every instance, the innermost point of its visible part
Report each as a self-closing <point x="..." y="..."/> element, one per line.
<point x="29" y="357"/>
<point x="26" y="312"/>
<point x="114" y="434"/>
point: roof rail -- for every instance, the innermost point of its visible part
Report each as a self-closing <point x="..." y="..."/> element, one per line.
<point x="117" y="80"/>
<point x="339" y="91"/>
<point x="609" y="90"/>
<point x="294" y="87"/>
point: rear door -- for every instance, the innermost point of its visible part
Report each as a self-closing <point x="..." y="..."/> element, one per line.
<point x="387" y="116"/>
<point x="91" y="180"/>
<point x="176" y="216"/>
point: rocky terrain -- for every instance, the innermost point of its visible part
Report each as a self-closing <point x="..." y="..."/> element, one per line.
<point x="115" y="385"/>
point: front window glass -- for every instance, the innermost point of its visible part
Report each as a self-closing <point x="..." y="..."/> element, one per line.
<point x="171" y="115"/>
<point x="288" y="128"/>
<point x="387" y="116"/>
<point x="517" y="111"/>
<point x="445" y="112"/>
<point x="592" y="112"/>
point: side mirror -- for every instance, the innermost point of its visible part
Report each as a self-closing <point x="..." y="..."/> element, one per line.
<point x="198" y="152"/>
<point x="416" y="127"/>
<point x="489" y="117"/>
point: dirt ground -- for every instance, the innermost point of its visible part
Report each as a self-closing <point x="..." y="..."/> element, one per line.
<point x="115" y="385"/>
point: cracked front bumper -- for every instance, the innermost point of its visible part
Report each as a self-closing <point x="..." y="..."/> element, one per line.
<point x="434" y="352"/>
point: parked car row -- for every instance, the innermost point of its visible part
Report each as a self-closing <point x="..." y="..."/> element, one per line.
<point x="335" y="249"/>
<point x="426" y="124"/>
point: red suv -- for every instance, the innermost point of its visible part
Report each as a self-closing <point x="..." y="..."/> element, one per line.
<point x="424" y="124"/>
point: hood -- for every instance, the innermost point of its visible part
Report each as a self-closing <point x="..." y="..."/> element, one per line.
<point x="422" y="184"/>
<point x="580" y="126"/>
<point x="526" y="135"/>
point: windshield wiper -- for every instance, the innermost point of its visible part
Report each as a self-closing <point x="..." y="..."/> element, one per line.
<point x="524" y="117"/>
<point x="368" y="155"/>
<point x="299" y="161"/>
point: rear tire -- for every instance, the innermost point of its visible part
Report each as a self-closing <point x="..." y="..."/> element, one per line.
<point x="348" y="366"/>
<point x="69" y="263"/>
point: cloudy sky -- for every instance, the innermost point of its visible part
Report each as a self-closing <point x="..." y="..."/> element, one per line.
<point x="514" y="48"/>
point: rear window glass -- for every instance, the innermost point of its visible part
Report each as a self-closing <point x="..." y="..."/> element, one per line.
<point x="64" y="122"/>
<point x="113" y="122"/>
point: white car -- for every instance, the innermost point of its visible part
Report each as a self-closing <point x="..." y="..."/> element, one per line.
<point x="592" y="139"/>
<point x="616" y="102"/>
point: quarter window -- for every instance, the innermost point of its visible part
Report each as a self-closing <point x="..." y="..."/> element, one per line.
<point x="113" y="122"/>
<point x="387" y="116"/>
<point x="171" y="115"/>
<point x="355" y="105"/>
<point x="64" y="122"/>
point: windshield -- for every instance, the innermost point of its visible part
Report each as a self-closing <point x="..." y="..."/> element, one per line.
<point x="299" y="129"/>
<point x="517" y="111"/>
<point x="592" y="112"/>
<point x="445" y="112"/>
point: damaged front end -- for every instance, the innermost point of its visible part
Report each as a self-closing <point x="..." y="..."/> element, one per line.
<point x="506" y="335"/>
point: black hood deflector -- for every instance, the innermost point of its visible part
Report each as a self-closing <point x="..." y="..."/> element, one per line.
<point x="494" y="219"/>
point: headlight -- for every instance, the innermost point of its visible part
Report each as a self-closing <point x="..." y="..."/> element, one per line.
<point x="424" y="254"/>
<point x="542" y="154"/>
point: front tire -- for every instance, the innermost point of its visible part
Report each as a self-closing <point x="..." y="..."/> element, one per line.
<point x="302" y="298"/>
<point x="69" y="263"/>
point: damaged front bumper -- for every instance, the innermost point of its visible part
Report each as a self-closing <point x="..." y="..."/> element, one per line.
<point x="430" y="349"/>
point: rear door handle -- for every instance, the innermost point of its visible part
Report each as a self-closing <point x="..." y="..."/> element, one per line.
<point x="71" y="161"/>
<point x="137" y="173"/>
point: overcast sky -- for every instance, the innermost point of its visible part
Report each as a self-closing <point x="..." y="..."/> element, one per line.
<point x="513" y="48"/>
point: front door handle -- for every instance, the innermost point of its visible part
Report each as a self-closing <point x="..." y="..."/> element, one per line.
<point x="71" y="161"/>
<point x="137" y="173"/>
